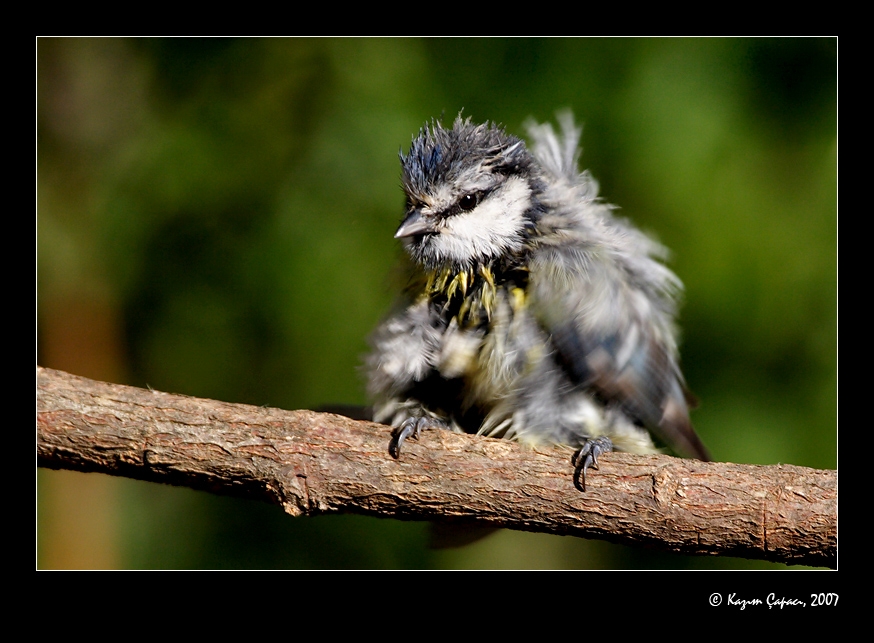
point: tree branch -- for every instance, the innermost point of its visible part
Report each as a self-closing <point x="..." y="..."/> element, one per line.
<point x="310" y="463"/>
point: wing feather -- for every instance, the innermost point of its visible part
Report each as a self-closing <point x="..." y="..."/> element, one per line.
<point x="611" y="326"/>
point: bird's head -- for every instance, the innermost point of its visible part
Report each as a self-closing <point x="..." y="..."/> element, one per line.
<point x="471" y="195"/>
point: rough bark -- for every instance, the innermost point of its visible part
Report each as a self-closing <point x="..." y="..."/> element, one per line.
<point x="310" y="463"/>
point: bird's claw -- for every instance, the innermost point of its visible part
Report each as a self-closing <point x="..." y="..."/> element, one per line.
<point x="411" y="428"/>
<point x="587" y="456"/>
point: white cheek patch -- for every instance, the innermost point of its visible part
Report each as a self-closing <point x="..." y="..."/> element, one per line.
<point x="494" y="227"/>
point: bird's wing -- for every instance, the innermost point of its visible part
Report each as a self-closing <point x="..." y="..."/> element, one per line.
<point x="613" y="333"/>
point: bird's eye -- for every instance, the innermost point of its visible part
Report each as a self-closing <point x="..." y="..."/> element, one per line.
<point x="467" y="202"/>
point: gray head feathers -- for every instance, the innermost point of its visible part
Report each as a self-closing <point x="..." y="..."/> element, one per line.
<point x="439" y="155"/>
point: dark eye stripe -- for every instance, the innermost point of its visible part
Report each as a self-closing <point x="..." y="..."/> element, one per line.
<point x="467" y="203"/>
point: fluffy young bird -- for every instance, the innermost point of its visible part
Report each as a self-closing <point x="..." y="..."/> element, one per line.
<point x="532" y="313"/>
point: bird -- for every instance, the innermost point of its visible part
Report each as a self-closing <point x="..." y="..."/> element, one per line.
<point x="530" y="312"/>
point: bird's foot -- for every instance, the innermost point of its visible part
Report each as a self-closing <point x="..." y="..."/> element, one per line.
<point x="587" y="456"/>
<point x="410" y="428"/>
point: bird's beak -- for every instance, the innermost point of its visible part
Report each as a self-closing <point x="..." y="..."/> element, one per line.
<point x="415" y="223"/>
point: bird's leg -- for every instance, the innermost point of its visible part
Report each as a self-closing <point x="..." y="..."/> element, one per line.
<point x="410" y="428"/>
<point x="587" y="456"/>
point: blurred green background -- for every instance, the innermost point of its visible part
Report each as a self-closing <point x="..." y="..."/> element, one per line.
<point x="215" y="218"/>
